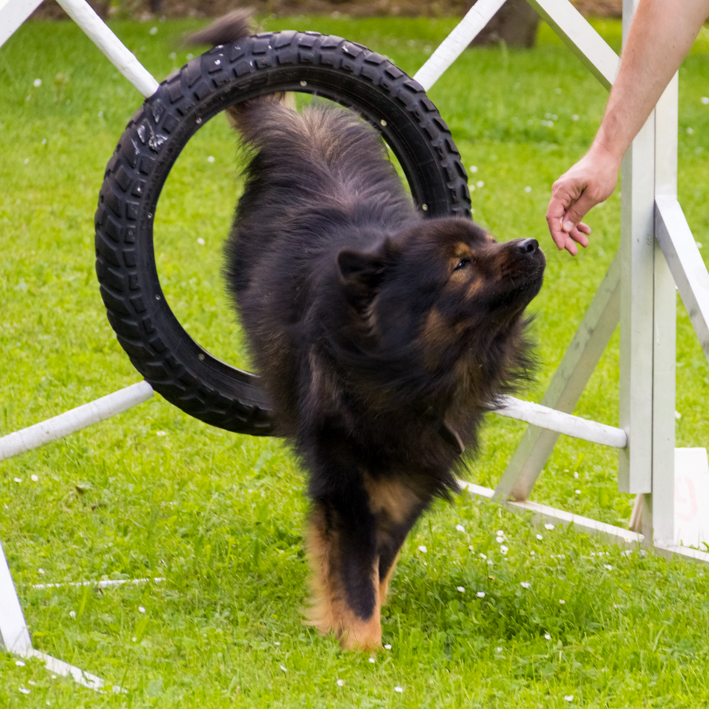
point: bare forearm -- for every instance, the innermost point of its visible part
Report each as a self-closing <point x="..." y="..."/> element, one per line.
<point x="661" y="35"/>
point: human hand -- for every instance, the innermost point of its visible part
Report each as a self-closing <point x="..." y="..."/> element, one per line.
<point x="590" y="181"/>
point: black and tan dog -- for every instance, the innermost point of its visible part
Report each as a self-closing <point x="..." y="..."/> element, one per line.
<point x="381" y="337"/>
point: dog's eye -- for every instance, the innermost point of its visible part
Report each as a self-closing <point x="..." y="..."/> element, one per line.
<point x="463" y="263"/>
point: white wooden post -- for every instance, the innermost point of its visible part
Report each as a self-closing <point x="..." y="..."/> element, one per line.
<point x="658" y="520"/>
<point x="636" y="302"/>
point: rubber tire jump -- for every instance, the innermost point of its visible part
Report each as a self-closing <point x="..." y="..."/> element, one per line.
<point x="160" y="349"/>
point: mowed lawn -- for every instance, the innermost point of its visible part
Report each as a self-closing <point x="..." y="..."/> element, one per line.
<point x="557" y="620"/>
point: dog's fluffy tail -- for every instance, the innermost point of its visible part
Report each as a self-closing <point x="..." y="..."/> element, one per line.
<point x="231" y="28"/>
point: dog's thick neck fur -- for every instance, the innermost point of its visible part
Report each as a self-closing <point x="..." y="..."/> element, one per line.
<point x="335" y="297"/>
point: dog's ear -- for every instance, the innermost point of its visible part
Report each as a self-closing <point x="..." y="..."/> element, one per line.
<point x="363" y="271"/>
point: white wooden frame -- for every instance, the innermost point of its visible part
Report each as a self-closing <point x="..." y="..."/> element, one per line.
<point x="657" y="250"/>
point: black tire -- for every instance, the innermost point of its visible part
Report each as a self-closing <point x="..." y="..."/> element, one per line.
<point x="159" y="348"/>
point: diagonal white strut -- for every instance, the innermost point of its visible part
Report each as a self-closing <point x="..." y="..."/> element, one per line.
<point x="117" y="53"/>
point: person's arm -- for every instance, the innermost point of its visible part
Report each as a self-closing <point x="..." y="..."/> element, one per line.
<point x="660" y="36"/>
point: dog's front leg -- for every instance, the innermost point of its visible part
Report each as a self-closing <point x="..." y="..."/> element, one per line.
<point x="343" y="556"/>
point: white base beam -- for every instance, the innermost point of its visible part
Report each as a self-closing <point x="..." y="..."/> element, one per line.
<point x="59" y="667"/>
<point x="544" y="513"/>
<point x="670" y="550"/>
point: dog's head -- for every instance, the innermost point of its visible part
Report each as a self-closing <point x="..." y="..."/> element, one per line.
<point x="444" y="286"/>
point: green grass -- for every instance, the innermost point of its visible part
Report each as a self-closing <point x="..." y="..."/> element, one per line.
<point x="220" y="516"/>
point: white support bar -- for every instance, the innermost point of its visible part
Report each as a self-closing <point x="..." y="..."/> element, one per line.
<point x="544" y="513"/>
<point x="117" y="53"/>
<point x="13" y="630"/>
<point x="12" y="14"/>
<point x="455" y="43"/>
<point x="575" y="426"/>
<point x="685" y="263"/>
<point x="580" y="38"/>
<point x="74" y="420"/>
<point x="566" y="387"/>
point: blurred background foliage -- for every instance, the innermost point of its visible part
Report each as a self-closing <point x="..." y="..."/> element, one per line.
<point x="515" y="24"/>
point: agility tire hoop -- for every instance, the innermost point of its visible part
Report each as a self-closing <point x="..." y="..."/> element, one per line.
<point x="333" y="68"/>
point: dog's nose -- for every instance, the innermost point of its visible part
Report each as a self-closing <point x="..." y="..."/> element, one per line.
<point x="527" y="246"/>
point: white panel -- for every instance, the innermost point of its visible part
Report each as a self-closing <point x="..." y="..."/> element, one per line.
<point x="691" y="498"/>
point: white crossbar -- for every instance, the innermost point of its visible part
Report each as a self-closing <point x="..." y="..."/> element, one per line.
<point x="554" y="420"/>
<point x="455" y="43"/>
<point x="118" y="54"/>
<point x="74" y="420"/>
